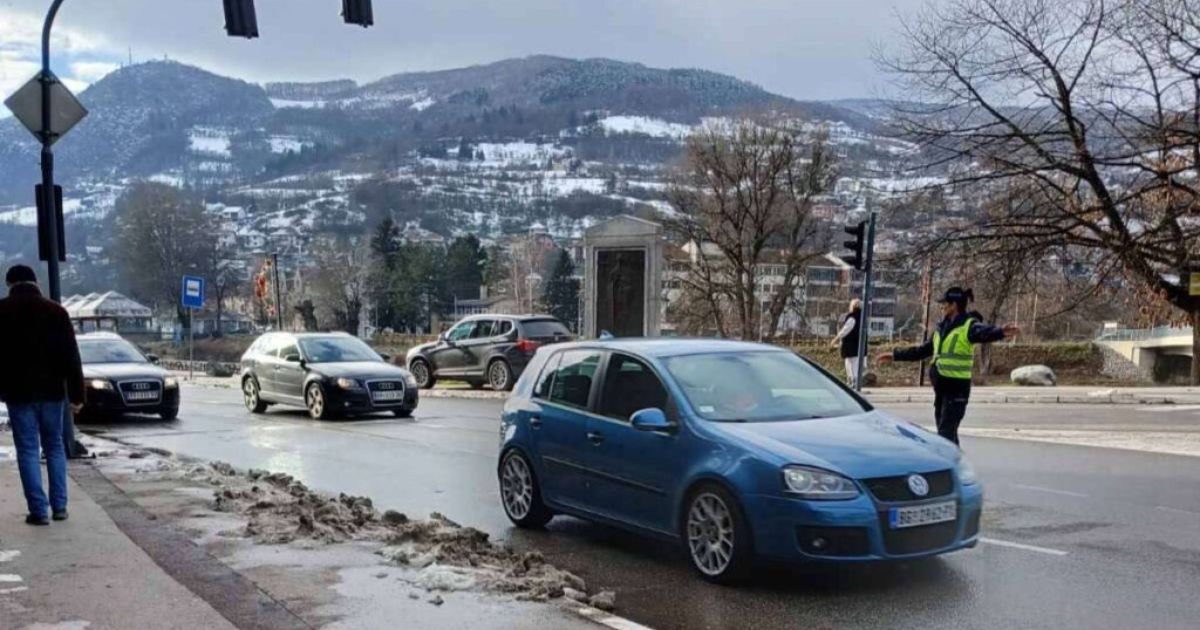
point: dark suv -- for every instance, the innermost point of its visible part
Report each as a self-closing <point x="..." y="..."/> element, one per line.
<point x="492" y="349"/>
<point x="330" y="374"/>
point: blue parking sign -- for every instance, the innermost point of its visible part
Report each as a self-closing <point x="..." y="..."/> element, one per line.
<point x="193" y="292"/>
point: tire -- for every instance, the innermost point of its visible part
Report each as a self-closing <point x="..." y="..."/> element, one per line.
<point x="252" y="395"/>
<point x="169" y="415"/>
<point x="520" y="493"/>
<point x="423" y="373"/>
<point x="317" y="402"/>
<point x="402" y="413"/>
<point x="500" y="376"/>
<point x="715" y="535"/>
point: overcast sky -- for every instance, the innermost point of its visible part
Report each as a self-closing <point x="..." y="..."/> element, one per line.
<point x="807" y="49"/>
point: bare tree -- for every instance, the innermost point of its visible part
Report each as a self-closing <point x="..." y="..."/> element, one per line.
<point x="1091" y="106"/>
<point x="339" y="284"/>
<point x="744" y="198"/>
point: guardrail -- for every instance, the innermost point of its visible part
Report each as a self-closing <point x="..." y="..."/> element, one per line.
<point x="211" y="368"/>
<point x="1142" y="334"/>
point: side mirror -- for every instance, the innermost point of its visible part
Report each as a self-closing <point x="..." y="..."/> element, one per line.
<point x="153" y="358"/>
<point x="387" y="358"/>
<point x="651" y="420"/>
<point x="292" y="358"/>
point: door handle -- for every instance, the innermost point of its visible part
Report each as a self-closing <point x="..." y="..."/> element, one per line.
<point x="535" y="422"/>
<point x="595" y="438"/>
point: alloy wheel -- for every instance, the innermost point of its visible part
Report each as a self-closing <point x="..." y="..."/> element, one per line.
<point x="516" y="487"/>
<point x="710" y="533"/>
<point x="499" y="375"/>
<point x="316" y="402"/>
<point x="420" y="372"/>
<point x="250" y="394"/>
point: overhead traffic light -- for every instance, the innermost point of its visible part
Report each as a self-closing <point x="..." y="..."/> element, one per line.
<point x="358" y="12"/>
<point x="857" y="247"/>
<point x="240" y="19"/>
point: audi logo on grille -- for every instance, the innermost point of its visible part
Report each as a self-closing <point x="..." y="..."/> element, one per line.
<point x="142" y="386"/>
<point x="387" y="386"/>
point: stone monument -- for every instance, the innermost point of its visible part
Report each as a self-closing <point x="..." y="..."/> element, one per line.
<point x="622" y="278"/>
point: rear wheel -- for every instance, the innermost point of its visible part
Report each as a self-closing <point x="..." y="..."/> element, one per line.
<point x="520" y="493"/>
<point x="317" y="403"/>
<point x="500" y="375"/>
<point x="423" y="374"/>
<point x="252" y="395"/>
<point x="716" y="535"/>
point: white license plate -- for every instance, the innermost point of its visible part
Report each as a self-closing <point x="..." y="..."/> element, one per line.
<point x="142" y="396"/>
<point x="915" y="516"/>
<point x="385" y="396"/>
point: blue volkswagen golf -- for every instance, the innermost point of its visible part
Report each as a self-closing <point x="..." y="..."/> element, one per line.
<point x="738" y="451"/>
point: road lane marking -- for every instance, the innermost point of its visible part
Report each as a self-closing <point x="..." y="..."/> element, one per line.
<point x="8" y="555"/>
<point x="1024" y="547"/>
<point x="10" y="578"/>
<point x="1067" y="493"/>
<point x="15" y="589"/>
<point x="609" y="620"/>
<point x="1169" y="408"/>
<point x="1165" y="508"/>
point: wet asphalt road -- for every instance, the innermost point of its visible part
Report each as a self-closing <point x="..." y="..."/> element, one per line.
<point x="1103" y="538"/>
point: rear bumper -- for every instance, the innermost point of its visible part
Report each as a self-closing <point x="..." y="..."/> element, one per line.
<point x="792" y="530"/>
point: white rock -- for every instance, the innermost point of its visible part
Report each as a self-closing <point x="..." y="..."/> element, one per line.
<point x="1034" y="375"/>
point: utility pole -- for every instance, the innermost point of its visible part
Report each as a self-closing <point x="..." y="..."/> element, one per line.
<point x="865" y="330"/>
<point x="278" y="301"/>
<point x="47" y="138"/>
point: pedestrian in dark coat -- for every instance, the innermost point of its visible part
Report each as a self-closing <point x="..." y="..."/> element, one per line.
<point x="40" y="375"/>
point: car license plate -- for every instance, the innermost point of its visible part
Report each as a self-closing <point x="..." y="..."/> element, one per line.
<point x="915" y="516"/>
<point x="386" y="396"/>
<point x="143" y="396"/>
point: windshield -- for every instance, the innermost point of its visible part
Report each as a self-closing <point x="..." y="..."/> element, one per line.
<point x="759" y="387"/>
<point x="337" y="350"/>
<point x="113" y="351"/>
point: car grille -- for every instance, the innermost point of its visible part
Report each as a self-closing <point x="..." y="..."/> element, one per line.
<point x="386" y="393"/>
<point x="894" y="489"/>
<point x="834" y="541"/>
<point x="141" y="392"/>
<point x="900" y="542"/>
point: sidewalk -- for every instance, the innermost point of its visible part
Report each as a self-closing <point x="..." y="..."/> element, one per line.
<point x="1087" y="395"/>
<point x="83" y="572"/>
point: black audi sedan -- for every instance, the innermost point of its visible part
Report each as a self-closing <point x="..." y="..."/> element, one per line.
<point x="120" y="379"/>
<point x="330" y="374"/>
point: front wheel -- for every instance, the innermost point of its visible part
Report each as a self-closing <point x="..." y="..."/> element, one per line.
<point x="402" y="413"/>
<point x="317" y="403"/>
<point x="169" y="414"/>
<point x="252" y="396"/>
<point x="422" y="373"/>
<point x="716" y="535"/>
<point x="520" y="493"/>
<point x="500" y="375"/>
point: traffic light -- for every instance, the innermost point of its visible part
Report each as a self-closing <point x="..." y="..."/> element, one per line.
<point x="358" y="12"/>
<point x="240" y="19"/>
<point x="857" y="246"/>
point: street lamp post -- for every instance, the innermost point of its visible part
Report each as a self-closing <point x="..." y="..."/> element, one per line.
<point x="50" y="215"/>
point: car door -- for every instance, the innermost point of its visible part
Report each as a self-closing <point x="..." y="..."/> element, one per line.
<point x="289" y="375"/>
<point x="449" y="356"/>
<point x="635" y="470"/>
<point x="477" y="347"/>
<point x="265" y="361"/>
<point x="558" y="432"/>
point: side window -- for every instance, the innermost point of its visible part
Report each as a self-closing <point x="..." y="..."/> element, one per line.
<point x="268" y="345"/>
<point x="287" y="348"/>
<point x="546" y="379"/>
<point x="630" y="386"/>
<point x="461" y="331"/>
<point x="503" y="327"/>
<point x="483" y="329"/>
<point x="573" y="378"/>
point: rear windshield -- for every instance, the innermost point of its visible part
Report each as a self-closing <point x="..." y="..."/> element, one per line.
<point x="544" y="328"/>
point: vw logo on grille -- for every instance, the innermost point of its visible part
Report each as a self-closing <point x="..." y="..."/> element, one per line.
<point x="142" y="386"/>
<point x="918" y="485"/>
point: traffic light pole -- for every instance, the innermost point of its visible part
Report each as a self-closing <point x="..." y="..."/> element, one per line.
<point x="48" y="220"/>
<point x="864" y="329"/>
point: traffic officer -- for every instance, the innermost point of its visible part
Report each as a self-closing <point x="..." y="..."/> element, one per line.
<point x="953" y="352"/>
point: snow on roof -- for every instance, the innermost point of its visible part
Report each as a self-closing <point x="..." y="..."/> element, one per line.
<point x="111" y="304"/>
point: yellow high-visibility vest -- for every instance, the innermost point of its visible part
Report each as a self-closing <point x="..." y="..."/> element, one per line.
<point x="954" y="355"/>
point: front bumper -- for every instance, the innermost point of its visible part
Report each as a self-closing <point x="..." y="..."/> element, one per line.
<point x="111" y="402"/>
<point x="795" y="530"/>
<point x="355" y="401"/>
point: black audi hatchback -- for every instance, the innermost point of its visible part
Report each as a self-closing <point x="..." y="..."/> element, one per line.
<point x="330" y="374"/>
<point x="120" y="379"/>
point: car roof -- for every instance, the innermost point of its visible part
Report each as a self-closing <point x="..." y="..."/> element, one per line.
<point x="663" y="347"/>
<point x="517" y="318"/>
<point x="100" y="336"/>
<point x="308" y="335"/>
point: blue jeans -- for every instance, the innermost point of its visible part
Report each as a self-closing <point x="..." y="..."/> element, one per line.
<point x="29" y="422"/>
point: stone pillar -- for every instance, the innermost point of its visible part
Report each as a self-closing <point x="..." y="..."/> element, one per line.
<point x="613" y="250"/>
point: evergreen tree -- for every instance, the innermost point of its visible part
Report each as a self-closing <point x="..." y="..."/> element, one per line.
<point x="464" y="266"/>
<point x="561" y="293"/>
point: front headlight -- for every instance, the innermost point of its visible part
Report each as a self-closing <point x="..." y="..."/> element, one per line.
<point x="347" y="383"/>
<point x="99" y="383"/>
<point x="170" y="382"/>
<point x="817" y="484"/>
<point x="966" y="472"/>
